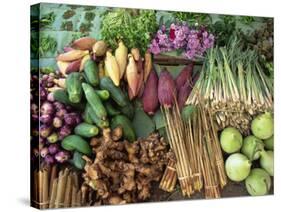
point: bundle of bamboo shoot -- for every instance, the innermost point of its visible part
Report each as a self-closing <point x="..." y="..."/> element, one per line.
<point x="199" y="160"/>
<point x="59" y="189"/>
<point x="234" y="86"/>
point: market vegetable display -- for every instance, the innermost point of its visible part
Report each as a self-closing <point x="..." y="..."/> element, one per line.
<point x="152" y="105"/>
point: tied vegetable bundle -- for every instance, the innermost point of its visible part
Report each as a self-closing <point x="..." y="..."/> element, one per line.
<point x="234" y="86"/>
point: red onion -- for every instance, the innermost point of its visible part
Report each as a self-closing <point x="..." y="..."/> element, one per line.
<point x="53" y="138"/>
<point x="44" y="151"/>
<point x="49" y="159"/>
<point x="70" y="119"/>
<point x="64" y="131"/>
<point x="53" y="149"/>
<point x="50" y="97"/>
<point x="62" y="156"/>
<point x="45" y="131"/>
<point x="61" y="113"/>
<point x="58" y="106"/>
<point x="57" y="122"/>
<point x="47" y="108"/>
<point x="46" y="119"/>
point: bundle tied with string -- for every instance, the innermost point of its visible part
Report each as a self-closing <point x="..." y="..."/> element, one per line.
<point x="199" y="161"/>
<point x="233" y="86"/>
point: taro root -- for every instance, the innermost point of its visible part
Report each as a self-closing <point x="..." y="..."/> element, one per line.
<point x="166" y="89"/>
<point x="150" y="97"/>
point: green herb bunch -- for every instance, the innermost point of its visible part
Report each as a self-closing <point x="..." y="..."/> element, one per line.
<point x="135" y="28"/>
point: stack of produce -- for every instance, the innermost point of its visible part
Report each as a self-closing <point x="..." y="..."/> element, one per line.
<point x="122" y="172"/>
<point x="59" y="189"/>
<point x="245" y="152"/>
<point x="234" y="86"/>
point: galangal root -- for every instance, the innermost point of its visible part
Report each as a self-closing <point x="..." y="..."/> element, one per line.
<point x="122" y="172"/>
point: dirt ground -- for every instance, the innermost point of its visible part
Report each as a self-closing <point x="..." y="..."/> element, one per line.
<point x="231" y="190"/>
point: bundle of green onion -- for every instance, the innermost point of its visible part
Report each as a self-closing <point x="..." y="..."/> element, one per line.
<point x="234" y="86"/>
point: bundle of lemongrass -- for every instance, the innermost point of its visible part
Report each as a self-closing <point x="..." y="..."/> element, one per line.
<point x="59" y="189"/>
<point x="194" y="141"/>
<point x="234" y="86"/>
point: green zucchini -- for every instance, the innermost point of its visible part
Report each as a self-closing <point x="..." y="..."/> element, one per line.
<point x="127" y="127"/>
<point x="96" y="120"/>
<point x="86" y="115"/>
<point x="91" y="71"/>
<point x="111" y="110"/>
<point x="115" y="92"/>
<point x="75" y="142"/>
<point x="86" y="130"/>
<point x="95" y="101"/>
<point x="61" y="96"/>
<point x="73" y="87"/>
<point x="103" y="94"/>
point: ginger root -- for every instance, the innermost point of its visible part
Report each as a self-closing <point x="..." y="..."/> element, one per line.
<point x="122" y="172"/>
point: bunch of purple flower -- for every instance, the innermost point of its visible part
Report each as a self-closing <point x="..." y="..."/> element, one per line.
<point x="192" y="42"/>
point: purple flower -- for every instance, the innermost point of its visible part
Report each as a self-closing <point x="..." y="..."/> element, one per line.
<point x="193" y="42"/>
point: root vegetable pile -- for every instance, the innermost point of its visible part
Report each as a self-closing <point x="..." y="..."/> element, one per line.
<point x="122" y="172"/>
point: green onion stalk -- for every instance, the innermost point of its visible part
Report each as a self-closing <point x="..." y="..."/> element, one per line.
<point x="234" y="86"/>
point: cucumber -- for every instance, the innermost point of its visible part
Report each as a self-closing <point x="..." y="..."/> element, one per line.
<point x="95" y="119"/>
<point x="94" y="100"/>
<point x="127" y="127"/>
<point x="86" y="115"/>
<point x="128" y="110"/>
<point x="73" y="87"/>
<point x="115" y="92"/>
<point x="78" y="161"/>
<point x="75" y="142"/>
<point x="91" y="71"/>
<point x="103" y="94"/>
<point x="86" y="130"/>
<point x="111" y="110"/>
<point x="61" y="96"/>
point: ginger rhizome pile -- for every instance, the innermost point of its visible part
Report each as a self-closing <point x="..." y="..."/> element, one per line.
<point x="122" y="172"/>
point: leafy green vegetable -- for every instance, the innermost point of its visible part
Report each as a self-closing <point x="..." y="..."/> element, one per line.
<point x="159" y="120"/>
<point x="135" y="28"/>
<point x="142" y="123"/>
<point x="195" y="19"/>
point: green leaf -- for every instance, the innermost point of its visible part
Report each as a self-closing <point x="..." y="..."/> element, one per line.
<point x="159" y="120"/>
<point x="142" y="123"/>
